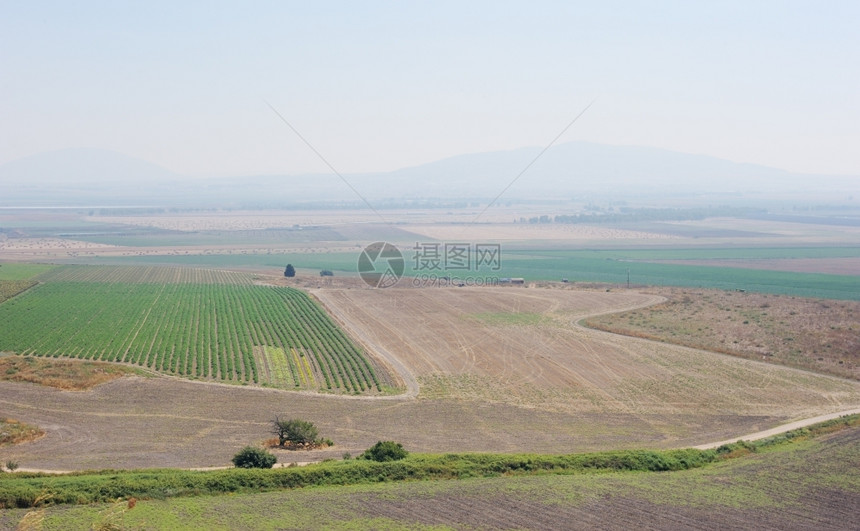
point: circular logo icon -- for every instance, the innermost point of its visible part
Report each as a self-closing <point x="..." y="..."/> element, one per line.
<point x="380" y="265"/>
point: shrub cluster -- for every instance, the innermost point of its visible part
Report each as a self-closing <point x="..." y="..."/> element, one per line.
<point x="385" y="451"/>
<point x="251" y="457"/>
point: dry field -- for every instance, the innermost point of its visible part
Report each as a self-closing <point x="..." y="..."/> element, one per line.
<point x="160" y="422"/>
<point x="24" y="249"/>
<point x="530" y="232"/>
<point x="522" y="347"/>
<point x="257" y="220"/>
<point x="822" y="335"/>
<point x="47" y="251"/>
<point x="782" y="232"/>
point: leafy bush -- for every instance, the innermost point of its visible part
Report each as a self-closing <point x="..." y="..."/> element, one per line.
<point x="250" y="457"/>
<point x="294" y="431"/>
<point x="385" y="451"/>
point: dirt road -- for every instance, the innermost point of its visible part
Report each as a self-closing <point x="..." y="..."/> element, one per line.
<point x="779" y="429"/>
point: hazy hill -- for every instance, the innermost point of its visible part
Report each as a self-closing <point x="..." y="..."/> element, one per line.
<point x="83" y="176"/>
<point x="575" y="170"/>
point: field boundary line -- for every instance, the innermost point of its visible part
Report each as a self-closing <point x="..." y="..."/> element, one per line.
<point x="395" y="363"/>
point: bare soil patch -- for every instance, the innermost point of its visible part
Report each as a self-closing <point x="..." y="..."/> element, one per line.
<point x="821" y="335"/>
<point x="163" y="422"/>
<point x="70" y="375"/>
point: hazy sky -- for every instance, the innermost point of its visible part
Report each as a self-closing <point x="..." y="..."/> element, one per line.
<point x="382" y="85"/>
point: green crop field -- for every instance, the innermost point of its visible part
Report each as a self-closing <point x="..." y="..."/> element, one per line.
<point x="339" y="262"/>
<point x="151" y="274"/>
<point x="605" y="265"/>
<point x="613" y="267"/>
<point x="15" y="271"/>
<point x="192" y="323"/>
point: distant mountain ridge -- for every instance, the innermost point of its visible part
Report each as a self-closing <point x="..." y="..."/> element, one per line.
<point x="573" y="170"/>
<point x="81" y="166"/>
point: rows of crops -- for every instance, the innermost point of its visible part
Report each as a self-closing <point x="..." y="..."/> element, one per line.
<point x="207" y="331"/>
<point x="143" y="274"/>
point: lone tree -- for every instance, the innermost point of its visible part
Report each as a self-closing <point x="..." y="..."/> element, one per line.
<point x="290" y="271"/>
<point x="294" y="431"/>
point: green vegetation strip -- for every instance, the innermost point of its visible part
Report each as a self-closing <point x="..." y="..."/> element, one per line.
<point x="26" y="490"/>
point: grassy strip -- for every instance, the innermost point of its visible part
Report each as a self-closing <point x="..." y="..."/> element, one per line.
<point x="24" y="490"/>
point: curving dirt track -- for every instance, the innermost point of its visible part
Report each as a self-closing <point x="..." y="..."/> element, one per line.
<point x="780" y="429"/>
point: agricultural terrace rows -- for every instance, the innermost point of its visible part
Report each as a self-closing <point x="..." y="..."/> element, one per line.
<point x="208" y="331"/>
<point x="143" y="274"/>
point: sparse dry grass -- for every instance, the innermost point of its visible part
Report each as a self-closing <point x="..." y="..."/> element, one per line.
<point x="68" y="375"/>
<point x="10" y="288"/>
<point x="14" y="432"/>
<point x="822" y="335"/>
